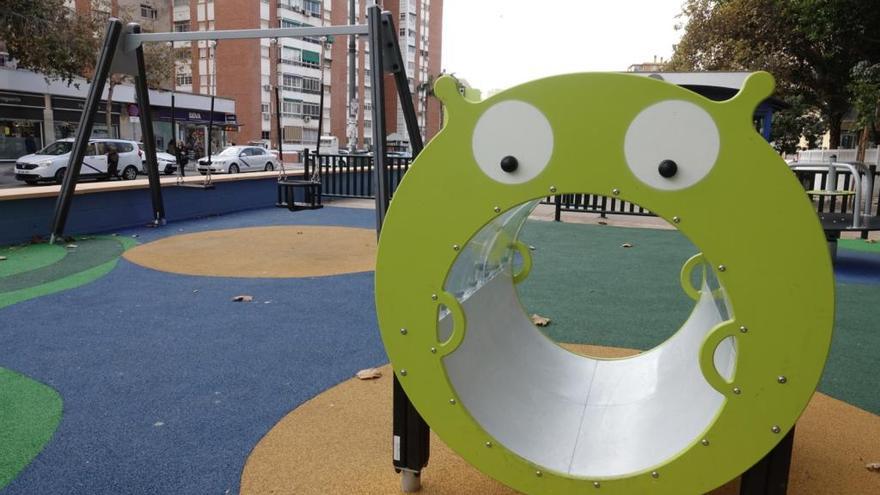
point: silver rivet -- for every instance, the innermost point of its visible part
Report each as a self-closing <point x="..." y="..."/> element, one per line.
<point x="497" y="209"/>
<point x="705" y="442"/>
<point x="402" y="331"/>
<point x="781" y="379"/>
<point x="655" y="474"/>
<point x="433" y="350"/>
<point x="402" y="372"/>
<point x="676" y="220"/>
<point x="456" y="247"/>
<point x="775" y="429"/>
<point x="596" y="484"/>
<point x="433" y="297"/>
<point x="452" y="401"/>
<point x="722" y="268"/>
<point x="736" y="390"/>
<point x="552" y="188"/>
<point x="489" y="444"/>
<point x="615" y="191"/>
<point x="743" y="329"/>
<point x="539" y="474"/>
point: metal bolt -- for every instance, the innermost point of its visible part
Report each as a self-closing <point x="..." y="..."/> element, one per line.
<point x="553" y="189"/>
<point x="737" y="390"/>
<point x="403" y="331"/>
<point x="497" y="209"/>
<point x="452" y="401"/>
<point x="433" y="350"/>
<point x="781" y="379"/>
<point x="596" y="484"/>
<point x="676" y="220"/>
<point x="705" y="442"/>
<point x="775" y="429"/>
<point x="655" y="474"/>
<point x="722" y="268"/>
<point x="539" y="474"/>
<point x="489" y="444"/>
<point x="402" y="372"/>
<point x="456" y="247"/>
<point x="615" y="191"/>
<point x="434" y="297"/>
<point x="743" y="329"/>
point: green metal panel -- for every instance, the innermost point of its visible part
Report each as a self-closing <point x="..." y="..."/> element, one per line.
<point x="783" y="298"/>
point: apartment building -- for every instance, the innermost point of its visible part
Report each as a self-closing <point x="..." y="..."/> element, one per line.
<point x="247" y="71"/>
<point x="419" y="25"/>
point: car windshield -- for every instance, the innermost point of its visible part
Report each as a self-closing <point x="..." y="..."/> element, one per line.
<point x="56" y="148"/>
<point x="232" y="151"/>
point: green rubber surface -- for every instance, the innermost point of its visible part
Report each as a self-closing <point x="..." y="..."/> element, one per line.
<point x="28" y="257"/>
<point x="859" y="245"/>
<point x="632" y="298"/>
<point x="29" y="414"/>
<point x="93" y="258"/>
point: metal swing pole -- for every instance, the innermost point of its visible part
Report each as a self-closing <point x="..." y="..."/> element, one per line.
<point x="411" y="439"/>
<point x="149" y="139"/>
<point x="84" y="131"/>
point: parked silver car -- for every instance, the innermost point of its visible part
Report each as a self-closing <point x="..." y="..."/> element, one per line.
<point x="235" y="159"/>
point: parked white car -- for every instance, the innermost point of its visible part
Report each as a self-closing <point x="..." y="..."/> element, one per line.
<point x="167" y="162"/>
<point x="50" y="163"/>
<point x="235" y="159"/>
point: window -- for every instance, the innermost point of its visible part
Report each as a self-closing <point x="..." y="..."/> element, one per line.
<point x="295" y="56"/>
<point x="264" y="135"/>
<point x="181" y="3"/>
<point x="184" y="79"/>
<point x="291" y="108"/>
<point x="181" y="26"/>
<point x="289" y="23"/>
<point x="313" y="7"/>
<point x="148" y="12"/>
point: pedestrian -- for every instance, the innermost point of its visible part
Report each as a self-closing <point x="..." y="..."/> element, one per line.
<point x="112" y="161"/>
<point x="30" y="145"/>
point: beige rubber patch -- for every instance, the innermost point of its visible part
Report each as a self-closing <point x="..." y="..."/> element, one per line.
<point x="288" y="251"/>
<point x="340" y="443"/>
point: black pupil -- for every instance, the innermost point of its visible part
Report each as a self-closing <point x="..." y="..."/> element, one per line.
<point x="667" y="168"/>
<point x="509" y="163"/>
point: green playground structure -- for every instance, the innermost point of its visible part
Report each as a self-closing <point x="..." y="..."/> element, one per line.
<point x="685" y="417"/>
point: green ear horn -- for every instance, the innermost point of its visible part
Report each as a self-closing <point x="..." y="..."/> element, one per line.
<point x="756" y="88"/>
<point x="446" y="89"/>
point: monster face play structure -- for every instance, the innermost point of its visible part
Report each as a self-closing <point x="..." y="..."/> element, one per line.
<point x="684" y="417"/>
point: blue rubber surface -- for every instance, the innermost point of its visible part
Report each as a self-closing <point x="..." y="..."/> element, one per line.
<point x="857" y="267"/>
<point x="167" y="390"/>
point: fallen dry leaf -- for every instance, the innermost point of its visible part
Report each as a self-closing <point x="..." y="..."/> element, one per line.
<point x="243" y="298"/>
<point x="873" y="466"/>
<point x="539" y="320"/>
<point x="871" y="241"/>
<point x="626" y="245"/>
<point x="602" y="222"/>
<point x="369" y="374"/>
<point x="71" y="246"/>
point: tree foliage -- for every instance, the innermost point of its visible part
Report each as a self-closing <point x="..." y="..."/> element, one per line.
<point x="811" y="46"/>
<point x="45" y="36"/>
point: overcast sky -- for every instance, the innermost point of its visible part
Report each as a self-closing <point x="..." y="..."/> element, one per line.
<point x="495" y="44"/>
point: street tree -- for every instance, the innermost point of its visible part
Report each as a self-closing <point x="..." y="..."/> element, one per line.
<point x="865" y="89"/>
<point x="811" y="46"/>
<point x="45" y="36"/>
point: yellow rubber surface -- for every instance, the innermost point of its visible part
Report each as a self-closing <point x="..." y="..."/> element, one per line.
<point x="340" y="443"/>
<point x="288" y="251"/>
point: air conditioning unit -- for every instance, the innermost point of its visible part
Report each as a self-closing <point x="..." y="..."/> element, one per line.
<point x="306" y="119"/>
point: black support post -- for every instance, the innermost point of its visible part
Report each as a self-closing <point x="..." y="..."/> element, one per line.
<point x="149" y="138"/>
<point x="411" y="439"/>
<point x="84" y="131"/>
<point x="770" y="475"/>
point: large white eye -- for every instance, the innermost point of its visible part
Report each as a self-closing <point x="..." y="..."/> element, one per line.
<point x="512" y="142"/>
<point x="672" y="145"/>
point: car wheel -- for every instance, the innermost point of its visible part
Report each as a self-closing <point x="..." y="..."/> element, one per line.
<point x="270" y="167"/>
<point x="130" y="173"/>
<point x="233" y="169"/>
<point x="169" y="170"/>
<point x="59" y="175"/>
